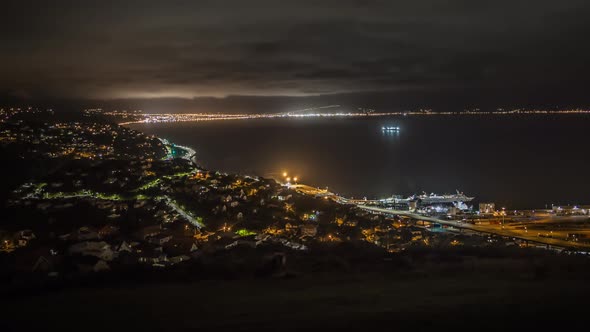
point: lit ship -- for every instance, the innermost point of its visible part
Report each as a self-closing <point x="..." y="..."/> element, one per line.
<point x="390" y="128"/>
<point x="414" y="202"/>
<point x="459" y="199"/>
<point x="436" y="199"/>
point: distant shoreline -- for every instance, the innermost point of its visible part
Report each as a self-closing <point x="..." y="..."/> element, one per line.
<point x="149" y="118"/>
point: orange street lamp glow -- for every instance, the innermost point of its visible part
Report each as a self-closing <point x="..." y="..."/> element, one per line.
<point x="284" y="174"/>
<point x="295" y="179"/>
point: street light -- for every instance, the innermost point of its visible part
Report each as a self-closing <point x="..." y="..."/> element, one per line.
<point x="295" y="179"/>
<point x="284" y="174"/>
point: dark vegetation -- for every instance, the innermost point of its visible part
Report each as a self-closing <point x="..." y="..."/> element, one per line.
<point x="349" y="286"/>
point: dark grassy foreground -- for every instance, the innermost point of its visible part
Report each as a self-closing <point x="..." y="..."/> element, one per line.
<point x="476" y="293"/>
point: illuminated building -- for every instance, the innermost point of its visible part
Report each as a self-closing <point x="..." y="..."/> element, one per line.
<point x="487" y="208"/>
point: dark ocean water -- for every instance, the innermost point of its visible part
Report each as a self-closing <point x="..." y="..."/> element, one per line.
<point x="515" y="161"/>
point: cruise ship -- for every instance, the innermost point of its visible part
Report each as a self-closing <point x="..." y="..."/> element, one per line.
<point x="417" y="202"/>
<point x="426" y="199"/>
<point x="436" y="199"/>
<point x="390" y="128"/>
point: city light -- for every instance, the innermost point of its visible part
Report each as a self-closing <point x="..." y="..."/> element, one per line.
<point x="138" y="117"/>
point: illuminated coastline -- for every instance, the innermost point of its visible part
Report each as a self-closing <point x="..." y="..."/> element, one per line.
<point x="195" y="117"/>
<point x="138" y="117"/>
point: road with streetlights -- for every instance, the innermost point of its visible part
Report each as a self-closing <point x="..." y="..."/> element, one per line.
<point x="183" y="213"/>
<point x="511" y="231"/>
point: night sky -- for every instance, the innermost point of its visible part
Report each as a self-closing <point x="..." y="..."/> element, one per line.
<point x="402" y="53"/>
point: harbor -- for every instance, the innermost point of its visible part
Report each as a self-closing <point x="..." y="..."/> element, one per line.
<point x="558" y="228"/>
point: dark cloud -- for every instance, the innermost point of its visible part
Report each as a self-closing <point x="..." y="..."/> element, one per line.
<point x="145" y="49"/>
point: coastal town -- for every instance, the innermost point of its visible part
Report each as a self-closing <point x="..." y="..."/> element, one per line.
<point x="114" y="200"/>
<point x="294" y="165"/>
